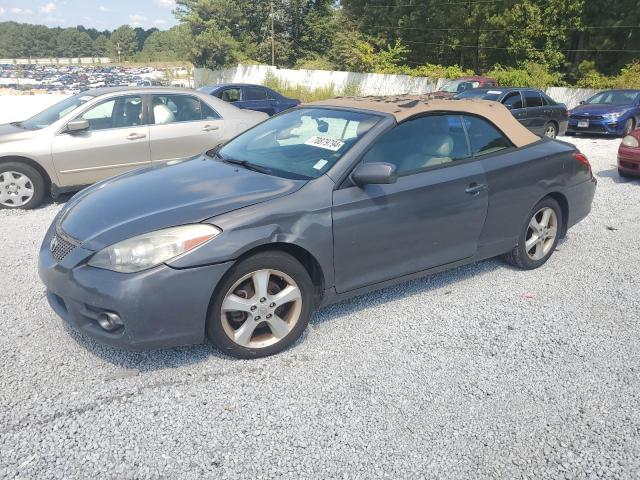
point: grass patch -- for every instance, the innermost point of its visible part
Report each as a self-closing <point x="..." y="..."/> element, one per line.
<point x="308" y="95"/>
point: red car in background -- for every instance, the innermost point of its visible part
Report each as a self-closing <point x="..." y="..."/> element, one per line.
<point x="458" y="85"/>
<point x="629" y="155"/>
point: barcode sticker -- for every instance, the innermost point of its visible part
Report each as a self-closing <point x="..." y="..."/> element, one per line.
<point x="320" y="164"/>
<point x="326" y="143"/>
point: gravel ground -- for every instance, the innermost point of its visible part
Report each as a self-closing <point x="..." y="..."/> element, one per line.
<point x="481" y="372"/>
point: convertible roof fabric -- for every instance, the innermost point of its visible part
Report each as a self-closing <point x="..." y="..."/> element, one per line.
<point x="403" y="107"/>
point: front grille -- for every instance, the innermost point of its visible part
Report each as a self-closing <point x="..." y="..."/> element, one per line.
<point x="60" y="247"/>
<point x="586" y="117"/>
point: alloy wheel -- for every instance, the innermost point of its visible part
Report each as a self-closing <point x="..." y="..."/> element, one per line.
<point x="261" y="308"/>
<point x="550" y="131"/>
<point x="541" y="233"/>
<point x="16" y="189"/>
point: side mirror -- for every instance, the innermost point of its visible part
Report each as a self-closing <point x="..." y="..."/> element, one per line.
<point x="377" y="173"/>
<point x="78" y="125"/>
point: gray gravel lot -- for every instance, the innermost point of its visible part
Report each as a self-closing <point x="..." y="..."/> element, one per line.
<point x="483" y="372"/>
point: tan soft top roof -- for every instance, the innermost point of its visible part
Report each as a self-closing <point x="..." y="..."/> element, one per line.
<point x="403" y="107"/>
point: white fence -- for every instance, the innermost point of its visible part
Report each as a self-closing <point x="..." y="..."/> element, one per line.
<point x="368" y="83"/>
<point x="55" y="61"/>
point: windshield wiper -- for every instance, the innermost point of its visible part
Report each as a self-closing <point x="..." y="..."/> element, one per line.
<point x="244" y="163"/>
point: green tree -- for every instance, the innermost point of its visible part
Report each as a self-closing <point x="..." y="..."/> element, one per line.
<point x="73" y="43"/>
<point x="101" y="46"/>
<point x="172" y="44"/>
<point x="124" y="43"/>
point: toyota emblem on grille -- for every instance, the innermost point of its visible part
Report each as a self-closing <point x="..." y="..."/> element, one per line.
<point x="54" y="243"/>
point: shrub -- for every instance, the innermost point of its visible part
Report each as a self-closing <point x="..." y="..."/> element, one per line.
<point x="527" y="75"/>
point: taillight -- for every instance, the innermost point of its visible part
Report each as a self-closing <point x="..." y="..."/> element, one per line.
<point x="582" y="158"/>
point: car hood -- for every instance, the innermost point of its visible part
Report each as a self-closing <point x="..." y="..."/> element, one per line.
<point x="599" y="109"/>
<point x="165" y="195"/>
<point x="11" y="133"/>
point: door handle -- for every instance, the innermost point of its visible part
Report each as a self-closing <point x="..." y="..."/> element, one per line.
<point x="210" y="128"/>
<point x="135" y="136"/>
<point x="475" y="188"/>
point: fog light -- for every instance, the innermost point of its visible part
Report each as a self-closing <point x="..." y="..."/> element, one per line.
<point x="109" y="321"/>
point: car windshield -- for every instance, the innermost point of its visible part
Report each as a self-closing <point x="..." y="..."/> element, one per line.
<point x="457" y="86"/>
<point x="55" y="112"/>
<point x="490" y="95"/>
<point x="613" y="98"/>
<point x="301" y="144"/>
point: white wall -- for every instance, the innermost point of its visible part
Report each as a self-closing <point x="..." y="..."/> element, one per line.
<point x="54" y="61"/>
<point x="369" y="83"/>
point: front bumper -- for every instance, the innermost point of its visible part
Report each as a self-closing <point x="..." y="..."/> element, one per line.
<point x="603" y="126"/>
<point x="161" y="307"/>
<point x="629" y="160"/>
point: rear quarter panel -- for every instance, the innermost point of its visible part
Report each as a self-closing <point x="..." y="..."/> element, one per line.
<point x="517" y="181"/>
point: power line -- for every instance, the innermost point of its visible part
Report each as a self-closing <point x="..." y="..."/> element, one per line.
<point x="442" y="4"/>
<point x="456" y="29"/>
<point x="481" y="47"/>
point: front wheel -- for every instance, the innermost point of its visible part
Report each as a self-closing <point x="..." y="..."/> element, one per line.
<point x="539" y="237"/>
<point x="21" y="186"/>
<point x="261" y="306"/>
<point x="628" y="126"/>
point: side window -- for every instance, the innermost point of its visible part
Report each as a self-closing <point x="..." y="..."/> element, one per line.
<point x="532" y="98"/>
<point x="484" y="137"/>
<point x="179" y="108"/>
<point x="513" y="100"/>
<point x="256" y="93"/>
<point x="422" y="143"/>
<point x="208" y="113"/>
<point x="115" y="113"/>
<point x="230" y="95"/>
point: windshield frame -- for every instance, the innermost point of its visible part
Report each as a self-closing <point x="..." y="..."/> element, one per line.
<point x="338" y="165"/>
<point x="634" y="101"/>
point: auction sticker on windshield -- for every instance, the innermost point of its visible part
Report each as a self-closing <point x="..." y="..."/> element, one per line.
<point x="326" y="143"/>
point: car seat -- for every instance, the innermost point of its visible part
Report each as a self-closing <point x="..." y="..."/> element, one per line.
<point x="162" y="114"/>
<point x="436" y="149"/>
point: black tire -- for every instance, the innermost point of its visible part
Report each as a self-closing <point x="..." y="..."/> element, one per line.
<point x="628" y="126"/>
<point x="35" y="180"/>
<point x="518" y="257"/>
<point x="272" y="260"/>
<point x="548" y="127"/>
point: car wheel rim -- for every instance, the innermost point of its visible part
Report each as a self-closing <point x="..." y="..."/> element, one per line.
<point x="261" y="308"/>
<point x="541" y="233"/>
<point x="16" y="189"/>
<point x="550" y="131"/>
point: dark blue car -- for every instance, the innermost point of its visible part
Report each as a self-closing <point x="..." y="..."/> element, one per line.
<point x="612" y="112"/>
<point x="251" y="97"/>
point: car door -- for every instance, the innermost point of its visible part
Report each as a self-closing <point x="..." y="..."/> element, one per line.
<point x="514" y="102"/>
<point x="117" y="140"/>
<point x="431" y="216"/>
<point x="182" y="126"/>
<point x="256" y="98"/>
<point x="536" y="116"/>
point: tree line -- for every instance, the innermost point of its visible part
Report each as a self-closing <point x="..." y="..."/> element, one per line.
<point x="554" y="41"/>
<point x="22" y="40"/>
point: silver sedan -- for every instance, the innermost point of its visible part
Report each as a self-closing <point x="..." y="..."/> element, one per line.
<point x="104" y="132"/>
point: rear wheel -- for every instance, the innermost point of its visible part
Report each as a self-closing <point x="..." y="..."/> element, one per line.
<point x="261" y="307"/>
<point x="21" y="186"/>
<point x="550" y="130"/>
<point x="539" y="236"/>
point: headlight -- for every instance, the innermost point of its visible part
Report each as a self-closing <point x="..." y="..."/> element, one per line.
<point x="151" y="249"/>
<point x="630" y="141"/>
<point x="614" y="115"/>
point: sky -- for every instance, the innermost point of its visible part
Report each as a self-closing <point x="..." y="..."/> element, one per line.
<point x="100" y="14"/>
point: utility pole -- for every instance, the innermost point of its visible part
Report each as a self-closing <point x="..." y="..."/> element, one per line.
<point x="273" y="38"/>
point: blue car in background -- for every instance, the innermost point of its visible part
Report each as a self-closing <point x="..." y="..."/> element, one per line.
<point x="612" y="112"/>
<point x="251" y="97"/>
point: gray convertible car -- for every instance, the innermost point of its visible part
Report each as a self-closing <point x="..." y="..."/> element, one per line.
<point x="316" y="205"/>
